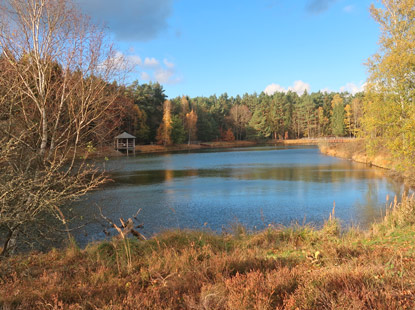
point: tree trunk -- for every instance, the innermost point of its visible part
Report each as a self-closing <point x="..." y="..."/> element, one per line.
<point x="44" y="133"/>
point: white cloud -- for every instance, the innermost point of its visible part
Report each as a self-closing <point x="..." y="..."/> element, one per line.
<point x="168" y="64"/>
<point x="145" y="76"/>
<point x="117" y="61"/>
<point x="162" y="72"/>
<point x="326" y="90"/>
<point x="167" y="74"/>
<point x="135" y="60"/>
<point x="164" y="76"/>
<point x="151" y="69"/>
<point x="299" y="87"/>
<point x="273" y="88"/>
<point x="123" y="62"/>
<point x="151" y="62"/>
<point x="353" y="88"/>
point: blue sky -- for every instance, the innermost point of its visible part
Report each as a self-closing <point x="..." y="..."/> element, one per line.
<point x="201" y="48"/>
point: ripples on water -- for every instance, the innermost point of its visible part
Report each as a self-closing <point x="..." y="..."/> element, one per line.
<point x="253" y="186"/>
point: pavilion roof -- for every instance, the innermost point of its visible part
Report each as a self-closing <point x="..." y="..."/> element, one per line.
<point x="124" y="135"/>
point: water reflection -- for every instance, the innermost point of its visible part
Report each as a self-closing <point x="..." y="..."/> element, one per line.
<point x="255" y="186"/>
<point x="324" y="174"/>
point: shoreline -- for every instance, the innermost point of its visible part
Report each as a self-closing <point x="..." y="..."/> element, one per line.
<point x="146" y="149"/>
<point x="278" y="267"/>
<point x="356" y="152"/>
<point x="108" y="151"/>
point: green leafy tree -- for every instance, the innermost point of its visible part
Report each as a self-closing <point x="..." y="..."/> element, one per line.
<point x="150" y="99"/>
<point x="337" y="121"/>
<point x="207" y="126"/>
<point x="178" y="133"/>
<point x="308" y="111"/>
<point x="259" y="122"/>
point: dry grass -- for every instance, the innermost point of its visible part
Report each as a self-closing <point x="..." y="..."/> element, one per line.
<point x="295" y="267"/>
<point x="161" y="148"/>
<point x="185" y="147"/>
<point x="356" y="150"/>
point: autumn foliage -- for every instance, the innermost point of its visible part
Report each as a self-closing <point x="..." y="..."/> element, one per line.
<point x="278" y="268"/>
<point x="228" y="135"/>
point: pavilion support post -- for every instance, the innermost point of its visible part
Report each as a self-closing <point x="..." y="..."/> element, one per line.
<point x="126" y="142"/>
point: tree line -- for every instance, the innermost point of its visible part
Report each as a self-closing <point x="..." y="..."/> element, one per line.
<point x="58" y="101"/>
<point x="151" y="117"/>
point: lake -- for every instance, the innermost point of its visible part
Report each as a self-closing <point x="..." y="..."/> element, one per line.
<point x="255" y="186"/>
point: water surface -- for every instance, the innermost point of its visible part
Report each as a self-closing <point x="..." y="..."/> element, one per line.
<point x="254" y="186"/>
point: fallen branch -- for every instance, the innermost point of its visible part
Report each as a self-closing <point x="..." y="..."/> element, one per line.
<point x="126" y="227"/>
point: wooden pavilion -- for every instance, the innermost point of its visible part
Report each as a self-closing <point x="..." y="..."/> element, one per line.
<point x="126" y="142"/>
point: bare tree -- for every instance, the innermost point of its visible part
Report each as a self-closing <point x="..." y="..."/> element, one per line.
<point x="240" y="115"/>
<point x="55" y="103"/>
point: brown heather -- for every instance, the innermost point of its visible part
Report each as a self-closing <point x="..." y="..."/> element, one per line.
<point x="296" y="267"/>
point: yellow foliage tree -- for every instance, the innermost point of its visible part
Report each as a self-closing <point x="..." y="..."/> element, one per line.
<point x="191" y="121"/>
<point x="357" y="112"/>
<point x="337" y="118"/>
<point x="164" y="131"/>
<point x="348" y="120"/>
<point x="389" y="112"/>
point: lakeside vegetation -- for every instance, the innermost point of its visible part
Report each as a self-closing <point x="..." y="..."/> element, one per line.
<point x="62" y="97"/>
<point x="357" y="151"/>
<point x="296" y="267"/>
<point x="59" y="97"/>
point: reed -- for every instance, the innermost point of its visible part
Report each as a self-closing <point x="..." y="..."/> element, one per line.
<point x="296" y="267"/>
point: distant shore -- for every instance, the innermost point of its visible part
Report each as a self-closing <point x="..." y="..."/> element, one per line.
<point x="184" y="147"/>
<point x="108" y="151"/>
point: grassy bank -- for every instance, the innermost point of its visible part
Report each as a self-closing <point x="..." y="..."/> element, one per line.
<point x="108" y="151"/>
<point x="279" y="268"/>
<point x="184" y="147"/>
<point x="311" y="141"/>
<point x="356" y="151"/>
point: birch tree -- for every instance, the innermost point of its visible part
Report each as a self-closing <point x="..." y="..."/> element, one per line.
<point x="389" y="112"/>
<point x="56" y="102"/>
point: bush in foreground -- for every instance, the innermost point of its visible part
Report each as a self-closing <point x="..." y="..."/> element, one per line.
<point x="295" y="267"/>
